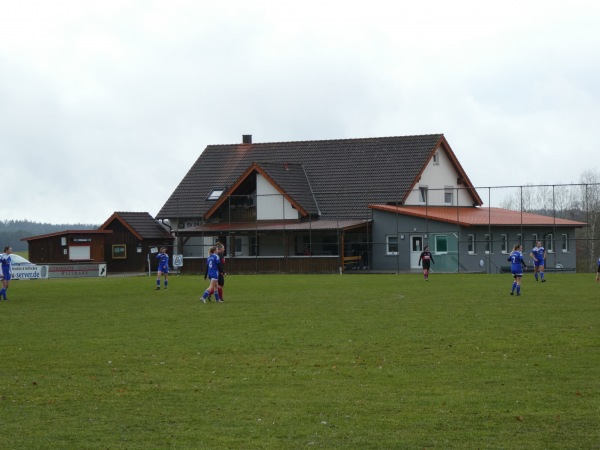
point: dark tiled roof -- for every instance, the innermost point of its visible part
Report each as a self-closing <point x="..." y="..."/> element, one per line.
<point x="345" y="175"/>
<point x="142" y="224"/>
<point x="293" y="179"/>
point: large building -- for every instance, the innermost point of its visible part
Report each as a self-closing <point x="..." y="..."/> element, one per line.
<point x="329" y="205"/>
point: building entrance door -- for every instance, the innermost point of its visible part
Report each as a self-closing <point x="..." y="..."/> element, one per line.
<point x="416" y="247"/>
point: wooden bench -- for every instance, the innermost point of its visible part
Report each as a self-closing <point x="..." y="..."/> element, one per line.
<point x="351" y="260"/>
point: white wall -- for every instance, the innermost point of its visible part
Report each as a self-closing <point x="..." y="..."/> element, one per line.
<point x="270" y="204"/>
<point x="437" y="177"/>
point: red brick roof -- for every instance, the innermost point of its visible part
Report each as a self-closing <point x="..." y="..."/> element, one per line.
<point x="470" y="216"/>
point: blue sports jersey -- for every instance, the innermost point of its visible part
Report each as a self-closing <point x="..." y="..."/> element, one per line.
<point x="5" y="260"/>
<point x="538" y="254"/>
<point x="6" y="269"/>
<point x="163" y="261"/>
<point x="212" y="264"/>
<point x="516" y="262"/>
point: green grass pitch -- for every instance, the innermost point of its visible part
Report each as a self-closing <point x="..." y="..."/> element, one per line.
<point x="301" y="361"/>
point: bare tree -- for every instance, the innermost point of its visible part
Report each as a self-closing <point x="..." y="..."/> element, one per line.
<point x="590" y="204"/>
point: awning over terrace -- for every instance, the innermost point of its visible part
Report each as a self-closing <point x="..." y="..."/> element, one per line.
<point x="276" y="225"/>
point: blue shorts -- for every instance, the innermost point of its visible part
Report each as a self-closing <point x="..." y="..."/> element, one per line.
<point x="213" y="275"/>
<point x="537" y="263"/>
<point x="6" y="273"/>
<point x="163" y="269"/>
<point x="517" y="273"/>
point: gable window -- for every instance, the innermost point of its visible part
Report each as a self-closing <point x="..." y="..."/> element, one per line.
<point x="215" y="193"/>
<point x="436" y="158"/>
<point x="448" y="196"/>
<point x="391" y="245"/>
<point x="471" y="244"/>
<point x="441" y="244"/>
<point x="488" y="243"/>
<point x="423" y="195"/>
<point x="565" y="243"/>
<point x="549" y="243"/>
<point x="504" y="243"/>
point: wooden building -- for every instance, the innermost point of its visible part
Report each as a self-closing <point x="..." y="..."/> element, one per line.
<point x="134" y="238"/>
<point x="125" y="242"/>
<point x="68" y="246"/>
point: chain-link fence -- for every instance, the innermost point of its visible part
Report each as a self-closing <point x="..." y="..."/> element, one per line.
<point x="375" y="233"/>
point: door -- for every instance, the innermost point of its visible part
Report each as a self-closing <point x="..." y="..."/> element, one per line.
<point x="416" y="247"/>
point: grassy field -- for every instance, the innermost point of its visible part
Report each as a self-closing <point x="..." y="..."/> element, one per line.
<point x="353" y="361"/>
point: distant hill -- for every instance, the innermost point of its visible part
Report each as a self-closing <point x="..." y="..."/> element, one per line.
<point x="12" y="231"/>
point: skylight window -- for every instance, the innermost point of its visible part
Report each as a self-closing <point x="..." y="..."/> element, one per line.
<point x="215" y="193"/>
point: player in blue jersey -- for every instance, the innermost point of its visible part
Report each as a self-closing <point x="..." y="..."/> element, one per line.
<point x="598" y="271"/>
<point x="213" y="268"/>
<point x="221" y="254"/>
<point x="6" y="271"/>
<point x="163" y="267"/>
<point x="539" y="255"/>
<point x="516" y="267"/>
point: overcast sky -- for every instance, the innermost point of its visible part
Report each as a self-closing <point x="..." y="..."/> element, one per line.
<point x="105" y="105"/>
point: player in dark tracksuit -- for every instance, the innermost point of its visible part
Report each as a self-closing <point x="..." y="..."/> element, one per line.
<point x="427" y="259"/>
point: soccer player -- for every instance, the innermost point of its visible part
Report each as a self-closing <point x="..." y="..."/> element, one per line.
<point x="539" y="255"/>
<point x="221" y="254"/>
<point x="213" y="268"/>
<point x="427" y="259"/>
<point x="516" y="266"/>
<point x="598" y="271"/>
<point x="6" y="271"/>
<point x="163" y="267"/>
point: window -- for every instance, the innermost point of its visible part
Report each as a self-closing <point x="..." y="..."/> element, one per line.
<point x="565" y="243"/>
<point x="488" y="244"/>
<point x="423" y="195"/>
<point x="79" y="252"/>
<point x="215" y="193"/>
<point x="436" y="158"/>
<point x="441" y="244"/>
<point x="549" y="243"/>
<point x="504" y="243"/>
<point x="391" y="245"/>
<point x="471" y="244"/>
<point x="448" y="196"/>
<point x="119" y="251"/>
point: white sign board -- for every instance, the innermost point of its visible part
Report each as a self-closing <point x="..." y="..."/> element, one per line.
<point x="177" y="260"/>
<point x="32" y="272"/>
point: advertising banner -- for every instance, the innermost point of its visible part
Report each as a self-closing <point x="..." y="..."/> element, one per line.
<point x="76" y="270"/>
<point x="32" y="272"/>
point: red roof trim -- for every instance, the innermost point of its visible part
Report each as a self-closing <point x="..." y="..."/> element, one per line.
<point x="473" y="216"/>
<point x="66" y="233"/>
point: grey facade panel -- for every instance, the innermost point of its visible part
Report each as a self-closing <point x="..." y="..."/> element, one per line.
<point x="457" y="257"/>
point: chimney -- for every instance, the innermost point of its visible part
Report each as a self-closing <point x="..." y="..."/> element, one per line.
<point x="246" y="139"/>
